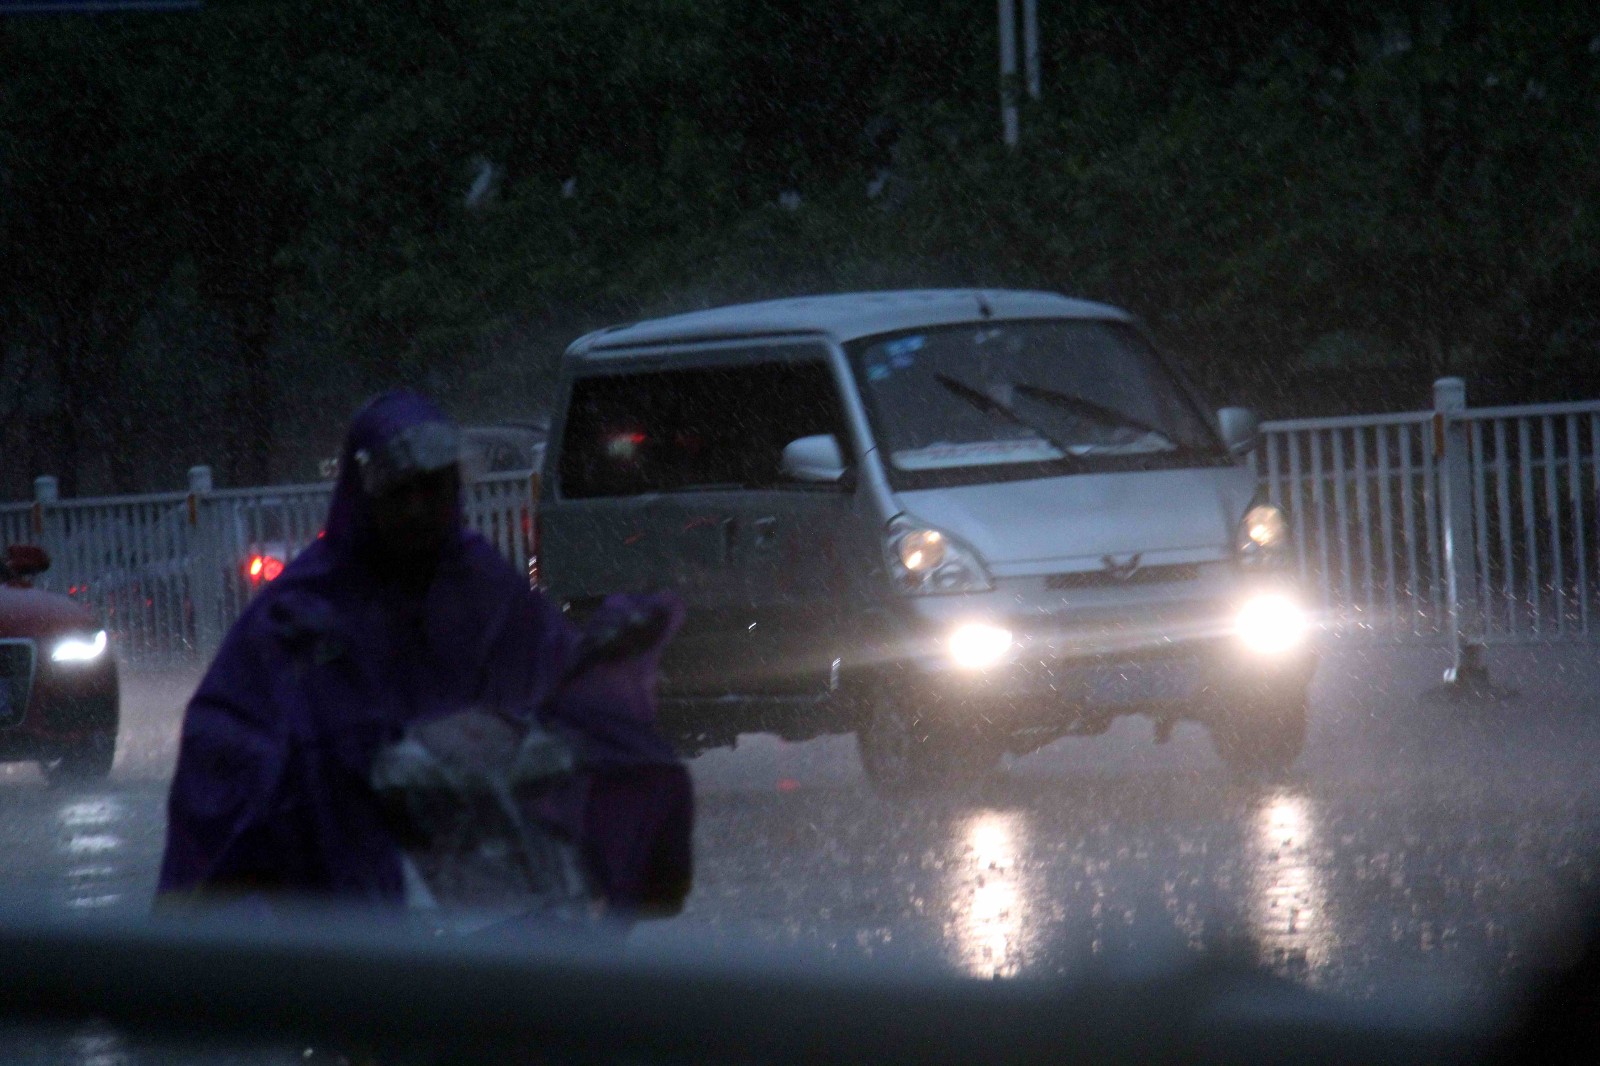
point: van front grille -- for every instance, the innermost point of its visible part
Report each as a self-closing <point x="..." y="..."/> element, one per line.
<point x="1144" y="575"/>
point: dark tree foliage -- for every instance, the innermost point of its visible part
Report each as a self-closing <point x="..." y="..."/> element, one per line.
<point x="222" y="229"/>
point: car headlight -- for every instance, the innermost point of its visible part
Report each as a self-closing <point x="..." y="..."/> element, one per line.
<point x="977" y="645"/>
<point x="927" y="560"/>
<point x="1264" y="535"/>
<point x="922" y="550"/>
<point x="1271" y="624"/>
<point x="79" y="649"/>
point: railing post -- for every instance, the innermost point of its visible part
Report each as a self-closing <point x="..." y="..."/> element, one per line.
<point x="1469" y="666"/>
<point x="46" y="489"/>
<point x="204" y="573"/>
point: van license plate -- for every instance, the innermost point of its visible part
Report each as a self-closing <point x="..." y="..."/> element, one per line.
<point x="1155" y="681"/>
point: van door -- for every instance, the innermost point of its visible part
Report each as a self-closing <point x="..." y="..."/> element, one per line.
<point x="671" y="478"/>
<point x="797" y="563"/>
<point x="800" y="549"/>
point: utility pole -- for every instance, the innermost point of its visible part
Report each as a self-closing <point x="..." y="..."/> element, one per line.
<point x="1009" y="121"/>
<point x="1008" y="71"/>
<point x="1030" y="45"/>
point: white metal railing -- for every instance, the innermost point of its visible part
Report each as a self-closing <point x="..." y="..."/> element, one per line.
<point x="1535" y="486"/>
<point x="123" y="557"/>
<point x="247" y="535"/>
<point x="1451" y="525"/>
<point x="169" y="572"/>
<point x="1471" y="527"/>
<point x="16" y="523"/>
<point x="500" y="507"/>
<point x="1362" y="499"/>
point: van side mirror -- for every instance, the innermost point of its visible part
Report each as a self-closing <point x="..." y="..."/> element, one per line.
<point x="814" y="460"/>
<point x="1241" y="429"/>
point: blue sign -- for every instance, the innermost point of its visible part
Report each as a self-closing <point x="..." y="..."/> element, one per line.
<point x="92" y="7"/>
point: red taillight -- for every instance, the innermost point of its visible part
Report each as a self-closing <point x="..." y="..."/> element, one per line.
<point x="264" y="568"/>
<point x="625" y="446"/>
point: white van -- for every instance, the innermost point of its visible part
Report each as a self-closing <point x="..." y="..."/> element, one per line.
<point x="957" y="523"/>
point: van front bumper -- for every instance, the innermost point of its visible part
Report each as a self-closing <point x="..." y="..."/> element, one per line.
<point x="1173" y="659"/>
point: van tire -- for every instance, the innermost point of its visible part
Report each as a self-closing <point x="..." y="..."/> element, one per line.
<point x="1261" y="736"/>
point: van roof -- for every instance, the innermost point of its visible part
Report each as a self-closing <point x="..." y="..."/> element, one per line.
<point x="844" y="316"/>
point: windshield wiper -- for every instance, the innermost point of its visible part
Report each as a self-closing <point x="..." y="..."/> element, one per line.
<point x="1106" y="416"/>
<point x="990" y="405"/>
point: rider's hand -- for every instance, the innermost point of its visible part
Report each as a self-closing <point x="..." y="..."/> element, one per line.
<point x="632" y="628"/>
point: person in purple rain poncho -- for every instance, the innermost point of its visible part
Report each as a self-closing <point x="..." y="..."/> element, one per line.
<point x="396" y="616"/>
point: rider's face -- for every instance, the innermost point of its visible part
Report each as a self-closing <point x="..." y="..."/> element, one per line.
<point x="412" y="520"/>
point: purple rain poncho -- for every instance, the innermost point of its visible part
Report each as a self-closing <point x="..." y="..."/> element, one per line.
<point x="328" y="664"/>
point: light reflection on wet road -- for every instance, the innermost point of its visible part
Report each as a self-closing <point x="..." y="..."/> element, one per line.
<point x="89" y="831"/>
<point x="1449" y="847"/>
<point x="988" y="896"/>
<point x="1287" y="905"/>
<point x="1443" y="849"/>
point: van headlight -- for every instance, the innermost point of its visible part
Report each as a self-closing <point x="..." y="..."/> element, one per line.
<point x="79" y="649"/>
<point x="1271" y="624"/>
<point x="1264" y="538"/>
<point x="922" y="550"/>
<point x="978" y="645"/>
<point x="927" y="560"/>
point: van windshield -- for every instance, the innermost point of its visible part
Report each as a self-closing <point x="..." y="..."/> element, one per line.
<point x="999" y="401"/>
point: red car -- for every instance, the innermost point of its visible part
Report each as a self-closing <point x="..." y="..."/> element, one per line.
<point x="58" y="678"/>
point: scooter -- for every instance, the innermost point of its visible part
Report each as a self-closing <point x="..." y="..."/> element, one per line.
<point x="471" y="798"/>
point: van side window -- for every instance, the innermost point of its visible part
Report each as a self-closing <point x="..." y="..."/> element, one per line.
<point x="695" y="429"/>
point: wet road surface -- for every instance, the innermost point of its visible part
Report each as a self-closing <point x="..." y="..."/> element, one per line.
<point x="1448" y="849"/>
